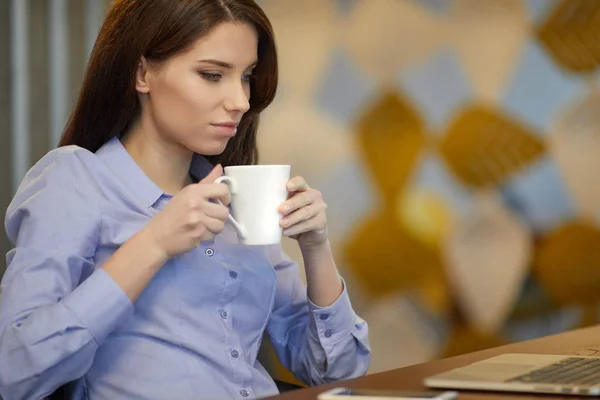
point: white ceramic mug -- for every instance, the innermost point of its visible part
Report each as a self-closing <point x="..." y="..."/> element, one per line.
<point x="257" y="191"/>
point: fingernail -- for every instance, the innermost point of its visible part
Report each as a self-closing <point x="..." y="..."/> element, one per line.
<point x="285" y="209"/>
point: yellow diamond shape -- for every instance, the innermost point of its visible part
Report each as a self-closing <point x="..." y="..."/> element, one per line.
<point x="567" y="264"/>
<point x="434" y="296"/>
<point x="385" y="258"/>
<point x="424" y="214"/>
<point x="483" y="147"/>
<point x="570" y="35"/>
<point x="390" y="135"/>
<point x="465" y="340"/>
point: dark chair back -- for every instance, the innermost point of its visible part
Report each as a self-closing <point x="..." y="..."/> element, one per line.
<point x="62" y="393"/>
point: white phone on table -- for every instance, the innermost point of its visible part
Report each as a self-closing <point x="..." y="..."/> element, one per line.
<point x="364" y="394"/>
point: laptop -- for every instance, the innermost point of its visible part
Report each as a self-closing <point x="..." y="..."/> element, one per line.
<point x="532" y="373"/>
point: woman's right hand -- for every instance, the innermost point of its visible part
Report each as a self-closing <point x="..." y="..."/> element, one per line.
<point x="190" y="217"/>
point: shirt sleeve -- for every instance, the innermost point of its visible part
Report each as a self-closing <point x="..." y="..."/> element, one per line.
<point x="317" y="344"/>
<point x="55" y="308"/>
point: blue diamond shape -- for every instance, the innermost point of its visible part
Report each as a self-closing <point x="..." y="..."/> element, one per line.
<point x="349" y="192"/>
<point x="440" y="7"/>
<point x="539" y="89"/>
<point x="439" y="87"/>
<point x="344" y="89"/>
<point x="549" y="323"/>
<point x="539" y="195"/>
<point x="345" y="6"/>
<point x="433" y="175"/>
<point x="538" y="10"/>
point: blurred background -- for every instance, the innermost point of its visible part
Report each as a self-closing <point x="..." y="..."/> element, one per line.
<point x="456" y="143"/>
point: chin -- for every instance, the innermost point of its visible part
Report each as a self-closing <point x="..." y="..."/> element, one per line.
<point x="210" y="149"/>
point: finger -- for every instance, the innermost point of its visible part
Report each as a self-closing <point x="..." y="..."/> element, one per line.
<point x="216" y="172"/>
<point x="226" y="197"/>
<point x="217" y="211"/>
<point x="299" y="200"/>
<point x="208" y="237"/>
<point x="302" y="214"/>
<point x="317" y="223"/>
<point x="214" y="191"/>
<point x="297" y="184"/>
<point x="213" y="225"/>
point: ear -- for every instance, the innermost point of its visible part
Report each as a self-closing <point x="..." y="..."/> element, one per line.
<point x="141" y="77"/>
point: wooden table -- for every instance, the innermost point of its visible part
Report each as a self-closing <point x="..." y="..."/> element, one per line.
<point x="584" y="342"/>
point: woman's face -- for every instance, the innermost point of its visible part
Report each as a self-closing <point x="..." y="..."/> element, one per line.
<point x="196" y="99"/>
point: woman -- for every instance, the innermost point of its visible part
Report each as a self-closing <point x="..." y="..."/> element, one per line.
<point x="126" y="282"/>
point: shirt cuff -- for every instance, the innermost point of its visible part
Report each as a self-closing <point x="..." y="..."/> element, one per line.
<point x="335" y="322"/>
<point x="100" y="304"/>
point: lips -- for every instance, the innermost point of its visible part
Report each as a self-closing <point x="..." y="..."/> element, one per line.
<point x="226" y="128"/>
<point x="227" y="124"/>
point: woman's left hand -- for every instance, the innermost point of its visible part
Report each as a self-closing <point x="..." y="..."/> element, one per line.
<point x="304" y="217"/>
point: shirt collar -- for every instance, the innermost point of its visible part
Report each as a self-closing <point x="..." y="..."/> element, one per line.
<point x="114" y="155"/>
<point x="200" y="167"/>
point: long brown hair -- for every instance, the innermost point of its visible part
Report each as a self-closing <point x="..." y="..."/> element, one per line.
<point x="159" y="29"/>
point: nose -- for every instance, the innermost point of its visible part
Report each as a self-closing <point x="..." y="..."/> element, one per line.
<point x="238" y="99"/>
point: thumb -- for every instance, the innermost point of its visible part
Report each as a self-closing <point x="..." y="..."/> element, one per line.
<point x="216" y="172"/>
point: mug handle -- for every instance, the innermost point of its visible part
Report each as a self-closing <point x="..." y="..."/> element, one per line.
<point x="242" y="233"/>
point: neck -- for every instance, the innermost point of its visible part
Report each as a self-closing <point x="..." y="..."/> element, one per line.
<point x="166" y="163"/>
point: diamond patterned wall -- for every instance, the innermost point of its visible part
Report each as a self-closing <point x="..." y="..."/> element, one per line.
<point x="456" y="143"/>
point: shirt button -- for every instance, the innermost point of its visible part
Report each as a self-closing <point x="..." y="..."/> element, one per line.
<point x="244" y="393"/>
<point x="233" y="274"/>
<point x="224" y="314"/>
<point x="328" y="333"/>
<point x="324" y="317"/>
<point x="235" y="354"/>
<point x="209" y="252"/>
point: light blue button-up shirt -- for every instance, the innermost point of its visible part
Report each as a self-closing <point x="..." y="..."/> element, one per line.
<point x="194" y="333"/>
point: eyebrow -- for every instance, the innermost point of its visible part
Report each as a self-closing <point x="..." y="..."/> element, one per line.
<point x="224" y="64"/>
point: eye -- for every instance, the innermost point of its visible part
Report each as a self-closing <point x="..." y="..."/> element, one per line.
<point x="209" y="76"/>
<point x="247" y="77"/>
